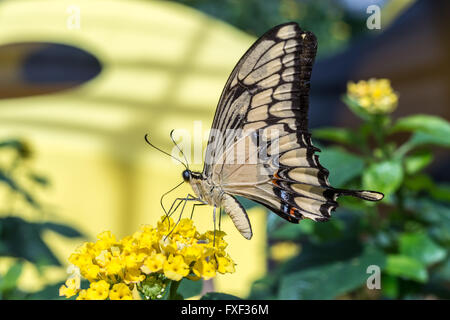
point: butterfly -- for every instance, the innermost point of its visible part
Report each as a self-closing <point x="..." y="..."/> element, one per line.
<point x="259" y="146"/>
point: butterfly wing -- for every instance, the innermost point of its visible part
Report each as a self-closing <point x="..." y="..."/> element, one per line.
<point x="259" y="146"/>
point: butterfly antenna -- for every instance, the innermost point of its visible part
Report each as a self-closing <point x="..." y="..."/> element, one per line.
<point x="152" y="145"/>
<point x="173" y="140"/>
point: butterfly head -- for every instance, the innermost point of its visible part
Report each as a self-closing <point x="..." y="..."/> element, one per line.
<point x="186" y="175"/>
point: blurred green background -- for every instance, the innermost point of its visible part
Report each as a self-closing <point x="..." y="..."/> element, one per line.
<point x="81" y="82"/>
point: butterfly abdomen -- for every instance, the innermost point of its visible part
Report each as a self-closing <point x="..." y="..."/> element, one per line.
<point x="237" y="214"/>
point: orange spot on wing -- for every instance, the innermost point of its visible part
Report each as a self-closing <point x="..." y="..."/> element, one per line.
<point x="277" y="177"/>
<point x="292" y="211"/>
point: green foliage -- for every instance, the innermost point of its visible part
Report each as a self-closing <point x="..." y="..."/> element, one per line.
<point x="218" y="296"/>
<point x="21" y="239"/>
<point x="347" y="166"/>
<point x="407" y="235"/>
<point x="330" y="20"/>
<point x="327" y="281"/>
<point x="385" y="176"/>
<point x="406" y="267"/>
<point x="190" y="288"/>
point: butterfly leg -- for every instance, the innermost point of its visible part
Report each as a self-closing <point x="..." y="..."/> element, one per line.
<point x="193" y="208"/>
<point x="178" y="202"/>
<point x="220" y="218"/>
<point x="183" y="201"/>
<point x="214" y="220"/>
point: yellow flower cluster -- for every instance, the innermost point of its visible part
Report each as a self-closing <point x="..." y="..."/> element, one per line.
<point x="284" y="250"/>
<point x="375" y="95"/>
<point x="150" y="257"/>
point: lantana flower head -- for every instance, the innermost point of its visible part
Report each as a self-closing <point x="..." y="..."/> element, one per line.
<point x="147" y="261"/>
<point x="376" y="96"/>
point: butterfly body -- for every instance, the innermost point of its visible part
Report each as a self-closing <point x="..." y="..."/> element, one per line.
<point x="259" y="146"/>
<point x="215" y="196"/>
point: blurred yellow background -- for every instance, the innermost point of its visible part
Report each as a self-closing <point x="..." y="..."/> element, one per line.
<point x="163" y="67"/>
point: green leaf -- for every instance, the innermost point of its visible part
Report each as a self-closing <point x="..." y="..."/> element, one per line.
<point x="291" y="231"/>
<point x="189" y="288"/>
<point x="286" y="232"/>
<point x="356" y="108"/>
<point x="427" y="130"/>
<point x="263" y="288"/>
<point x="39" y="179"/>
<point x="417" y="161"/>
<point x="341" y="135"/>
<point x="420" y="247"/>
<point x="330" y="280"/>
<point x="47" y="293"/>
<point x="15" y="187"/>
<point x="331" y="230"/>
<point x="406" y="267"/>
<point x="9" y="280"/>
<point x="441" y="192"/>
<point x="444" y="270"/>
<point x="23" y="239"/>
<point x="343" y="166"/>
<point x="383" y="177"/>
<point x="420" y="138"/>
<point x="219" y="296"/>
<point x="62" y="229"/>
<point x="21" y="147"/>
<point x="390" y="286"/>
<point x="433" y="213"/>
<point x="432" y="125"/>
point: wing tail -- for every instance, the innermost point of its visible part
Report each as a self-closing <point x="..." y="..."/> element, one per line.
<point x="362" y="194"/>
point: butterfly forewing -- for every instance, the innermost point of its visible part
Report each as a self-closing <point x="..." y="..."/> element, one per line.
<point x="259" y="146"/>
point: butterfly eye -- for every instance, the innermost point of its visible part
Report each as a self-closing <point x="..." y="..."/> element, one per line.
<point x="186" y="175"/>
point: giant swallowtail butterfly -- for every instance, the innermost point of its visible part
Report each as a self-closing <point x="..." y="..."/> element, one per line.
<point x="259" y="147"/>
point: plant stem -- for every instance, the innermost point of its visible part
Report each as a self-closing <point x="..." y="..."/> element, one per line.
<point x="173" y="295"/>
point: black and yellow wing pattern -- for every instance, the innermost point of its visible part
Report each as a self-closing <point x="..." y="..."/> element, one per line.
<point x="266" y="100"/>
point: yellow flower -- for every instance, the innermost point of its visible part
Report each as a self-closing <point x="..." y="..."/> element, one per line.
<point x="90" y="272"/>
<point x="376" y="96"/>
<point x="114" y="267"/>
<point x="71" y="287"/>
<point x="175" y="268"/>
<point x="192" y="253"/>
<point x="147" y="260"/>
<point x="154" y="263"/>
<point x="120" y="291"/>
<point x="133" y="276"/>
<point x="134" y="260"/>
<point x="105" y="240"/>
<point x="80" y="259"/>
<point x="204" y="269"/>
<point x="225" y="265"/>
<point x="214" y="239"/>
<point x="167" y="245"/>
<point x="82" y="295"/>
<point x="165" y="225"/>
<point x="98" y="290"/>
<point x="104" y="258"/>
<point x="284" y="250"/>
<point x="185" y="228"/>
